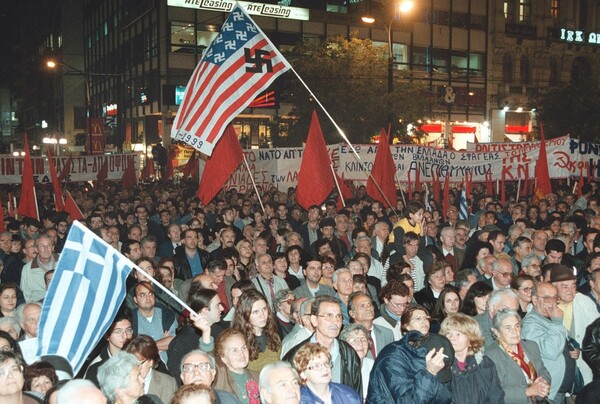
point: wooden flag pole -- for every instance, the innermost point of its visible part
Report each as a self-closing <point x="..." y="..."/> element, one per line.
<point x="337" y="185"/>
<point x="253" y="183"/>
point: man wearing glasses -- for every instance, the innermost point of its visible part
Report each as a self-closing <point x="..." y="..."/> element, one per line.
<point x="544" y="325"/>
<point x="198" y="367"/>
<point x="502" y="272"/>
<point x="326" y="317"/>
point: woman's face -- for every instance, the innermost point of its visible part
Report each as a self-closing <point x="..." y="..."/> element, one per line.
<point x="419" y="321"/>
<point x="235" y="353"/>
<point x="280" y="264"/>
<point x="534" y="269"/>
<point x="448" y="274"/>
<point x="459" y="340"/>
<point x="41" y="384"/>
<point x="451" y="303"/>
<point x="8" y="300"/>
<point x="482" y="253"/>
<point x="524" y="291"/>
<point x="318" y="371"/>
<point x="510" y="331"/>
<point x="245" y="250"/>
<point x="11" y="375"/>
<point x="359" y="341"/>
<point x="480" y="303"/>
<point x="327" y="271"/>
<point x="259" y="315"/>
<point x="294" y="257"/>
<point x="5" y="345"/>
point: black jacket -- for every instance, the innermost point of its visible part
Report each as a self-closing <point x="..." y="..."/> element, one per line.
<point x="351" y="375"/>
<point x="425" y="298"/>
<point x="183" y="270"/>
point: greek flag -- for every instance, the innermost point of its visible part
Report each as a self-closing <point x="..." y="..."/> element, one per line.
<point x="83" y="298"/>
<point x="463" y="210"/>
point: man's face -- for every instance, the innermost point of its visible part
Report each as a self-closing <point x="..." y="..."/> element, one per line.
<point x="141" y="213"/>
<point x="190" y="241"/>
<point x="327" y="232"/>
<point x="523" y="250"/>
<point x="328" y="322"/>
<point x="31" y="231"/>
<point x="144" y="297"/>
<point x="313" y="271"/>
<point x="411" y="248"/>
<point x="283" y="387"/>
<point x="363" y="309"/>
<point x="62" y="228"/>
<point x="5" y="243"/>
<point x="539" y="240"/>
<point x="260" y="246"/>
<point x="363" y="246"/>
<point x="498" y="243"/>
<point x="135" y="234"/>
<point x="553" y="257"/>
<point x="589" y="242"/>
<point x="149" y="249"/>
<point x="313" y="215"/>
<point x="382" y="231"/>
<point x="31" y="319"/>
<point x="96" y="222"/>
<point x="44" y="248"/>
<point x="227" y="238"/>
<point x="396" y="304"/>
<point x="265" y="266"/>
<point x="503" y="275"/>
<point x="344" y="283"/>
<point x="341" y="224"/>
<point x="175" y="234"/>
<point x="448" y="239"/>
<point x="452" y="213"/>
<point x="193" y="374"/>
<point x="135" y="252"/>
<point x="460" y="237"/>
<point x="546" y="300"/>
<point x="566" y="290"/>
<point x="166" y="277"/>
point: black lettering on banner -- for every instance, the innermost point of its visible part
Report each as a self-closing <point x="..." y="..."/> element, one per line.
<point x="258" y="61"/>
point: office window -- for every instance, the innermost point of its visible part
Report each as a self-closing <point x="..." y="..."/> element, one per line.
<point x="524" y="11"/>
<point x="185" y="38"/>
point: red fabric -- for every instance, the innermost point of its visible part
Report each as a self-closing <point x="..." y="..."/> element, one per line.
<point x="129" y="178"/>
<point x="103" y="172"/>
<point x="475" y="139"/>
<point x="226" y="157"/>
<point x="315" y="180"/>
<point x="65" y="170"/>
<point x="28" y="202"/>
<point x="148" y="169"/>
<point x="383" y="172"/>
<point x="436" y="188"/>
<point x="446" y="195"/>
<point x="191" y="167"/>
<point x="346" y="192"/>
<point x="418" y="179"/>
<point x="71" y="207"/>
<point x="59" y="201"/>
<point x="541" y="167"/>
<point x="169" y="168"/>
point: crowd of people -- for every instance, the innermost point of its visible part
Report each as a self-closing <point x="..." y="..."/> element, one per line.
<point x="333" y="304"/>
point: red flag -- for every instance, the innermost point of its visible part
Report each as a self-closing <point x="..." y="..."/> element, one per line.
<point x="315" y="180"/>
<point x="503" y="191"/>
<point x="541" y="167"/>
<point x="103" y="172"/>
<point x="418" y="179"/>
<point x="59" y="202"/>
<point x="475" y="138"/>
<point x="169" y="168"/>
<point x="488" y="183"/>
<point x="383" y="172"/>
<point x="28" y="202"/>
<point x="226" y="80"/>
<point x="346" y="192"/>
<point x="446" y="195"/>
<point x="71" y="207"/>
<point x="191" y="168"/>
<point x="11" y="205"/>
<point x="65" y="170"/>
<point x="129" y="178"/>
<point x="436" y="188"/>
<point x="148" y="170"/>
<point x="227" y="156"/>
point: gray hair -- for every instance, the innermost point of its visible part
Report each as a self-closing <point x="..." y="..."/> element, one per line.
<point x="340" y="271"/>
<point x="19" y="311"/>
<point x="570" y="225"/>
<point x="502" y="315"/>
<point x="44" y="236"/>
<point x="211" y="359"/>
<point x="496" y="297"/>
<point x="12" y="322"/>
<point x="70" y="391"/>
<point x="363" y="238"/>
<point x="304" y="306"/>
<point x="446" y="230"/>
<point x="351" y="328"/>
<point x="282" y="295"/>
<point x="512" y="230"/>
<point x="114" y="373"/>
<point x="462" y="279"/>
<point x="263" y="379"/>
<point x="530" y="259"/>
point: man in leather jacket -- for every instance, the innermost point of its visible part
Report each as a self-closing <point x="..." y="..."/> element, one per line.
<point x="326" y="317"/>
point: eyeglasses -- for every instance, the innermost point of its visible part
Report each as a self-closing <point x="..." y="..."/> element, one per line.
<point x="4" y="372"/>
<point x="549" y="299"/>
<point x="359" y="340"/>
<point x="398" y="305"/>
<point x="505" y="274"/>
<point x="191" y="367"/>
<point x="320" y="366"/>
<point x="331" y="317"/>
<point x="119" y="331"/>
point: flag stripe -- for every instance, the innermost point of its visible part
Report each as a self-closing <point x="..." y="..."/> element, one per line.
<point x="83" y="297"/>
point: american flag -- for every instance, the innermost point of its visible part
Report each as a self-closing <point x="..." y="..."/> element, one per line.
<point x="84" y="296"/>
<point x="239" y="64"/>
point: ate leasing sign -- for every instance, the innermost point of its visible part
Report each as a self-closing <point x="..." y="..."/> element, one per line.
<point x="253" y="8"/>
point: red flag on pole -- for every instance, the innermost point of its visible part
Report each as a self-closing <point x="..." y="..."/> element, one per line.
<point x="148" y="170"/>
<point x="66" y="169"/>
<point x="59" y="202"/>
<point x="436" y="188"/>
<point x="446" y="195"/>
<point x="346" y="192"/>
<point x="71" y="207"/>
<point x="129" y="178"/>
<point x="169" y="171"/>
<point x="226" y="157"/>
<point x="418" y="179"/>
<point x="543" y="184"/>
<point x="315" y="181"/>
<point x="409" y="188"/>
<point x="191" y="167"/>
<point x="488" y="183"/>
<point x="383" y="172"/>
<point x="28" y="202"/>
<point x="102" y="175"/>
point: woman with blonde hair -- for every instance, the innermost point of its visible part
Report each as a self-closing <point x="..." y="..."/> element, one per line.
<point x="474" y="376"/>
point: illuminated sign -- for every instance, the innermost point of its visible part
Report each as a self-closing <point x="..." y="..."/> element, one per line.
<point x="110" y="109"/>
<point x="265" y="10"/>
<point x="579" y="36"/>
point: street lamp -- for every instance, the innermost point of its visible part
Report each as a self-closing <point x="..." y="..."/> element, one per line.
<point x="88" y="101"/>
<point x="403" y="6"/>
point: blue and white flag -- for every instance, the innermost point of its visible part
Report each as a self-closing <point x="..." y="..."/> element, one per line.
<point x="84" y="296"/>
<point x="463" y="209"/>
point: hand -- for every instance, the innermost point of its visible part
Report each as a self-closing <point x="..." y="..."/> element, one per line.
<point x="434" y="361"/>
<point x="555" y="312"/>
<point x="539" y="388"/>
<point x="407" y="261"/>
<point x="201" y="322"/>
<point x="574" y="354"/>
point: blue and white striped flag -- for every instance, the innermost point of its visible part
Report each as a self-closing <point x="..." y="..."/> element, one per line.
<point x="463" y="210"/>
<point x="84" y="296"/>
